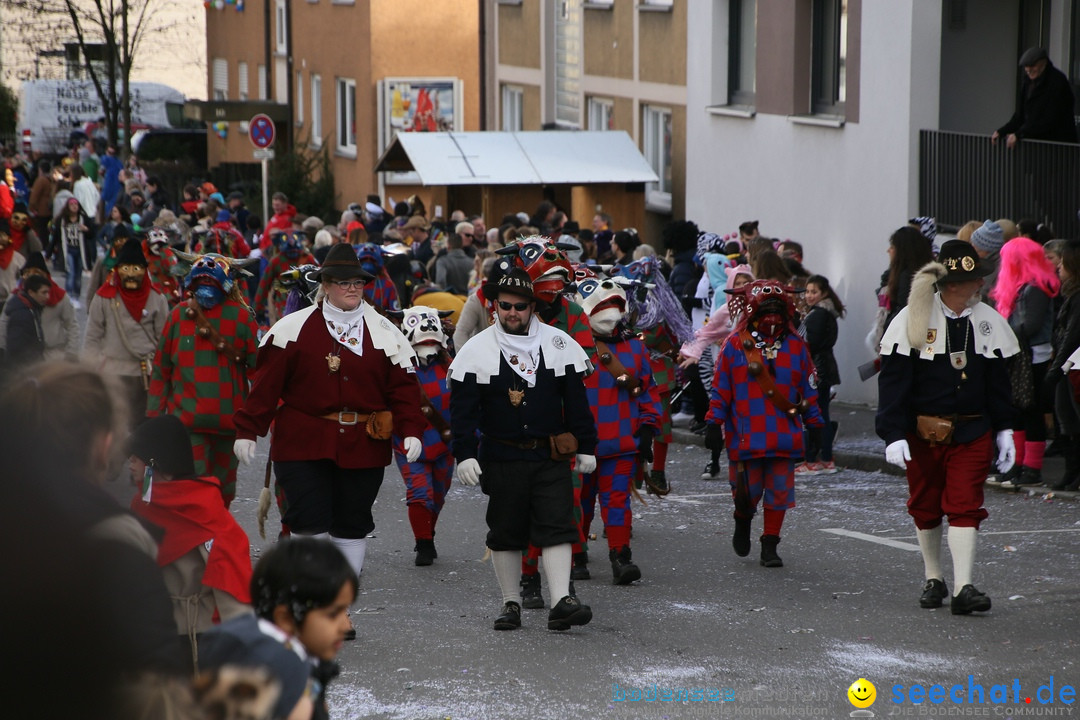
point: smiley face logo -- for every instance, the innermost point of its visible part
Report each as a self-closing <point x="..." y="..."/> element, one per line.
<point x="862" y="693"/>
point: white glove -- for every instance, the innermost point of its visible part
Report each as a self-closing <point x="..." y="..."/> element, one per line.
<point x="468" y="472"/>
<point x="412" y="449"/>
<point x="244" y="450"/>
<point x="1006" y="451"/>
<point x="585" y="464"/>
<point x="898" y="453"/>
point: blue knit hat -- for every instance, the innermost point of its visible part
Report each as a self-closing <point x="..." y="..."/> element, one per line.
<point x="989" y="238"/>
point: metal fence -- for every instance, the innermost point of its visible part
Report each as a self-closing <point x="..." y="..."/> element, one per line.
<point x="963" y="177"/>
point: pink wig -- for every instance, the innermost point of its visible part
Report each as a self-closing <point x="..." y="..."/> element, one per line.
<point x="1022" y="263"/>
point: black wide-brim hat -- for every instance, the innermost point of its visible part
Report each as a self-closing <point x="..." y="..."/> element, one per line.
<point x="341" y="264"/>
<point x="516" y="281"/>
<point x="961" y="262"/>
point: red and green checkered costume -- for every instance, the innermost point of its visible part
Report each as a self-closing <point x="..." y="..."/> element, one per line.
<point x="659" y="341"/>
<point x="203" y="387"/>
<point x="159" y="267"/>
<point x="269" y="291"/>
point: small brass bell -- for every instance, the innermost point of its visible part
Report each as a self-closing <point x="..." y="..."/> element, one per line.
<point x="221" y="345"/>
<point x="636" y="391"/>
<point x="754" y="368"/>
<point x="605" y="358"/>
<point x="747" y="343"/>
<point x="204" y="331"/>
<point x="189" y="314"/>
<point x="426" y="410"/>
<point x="769" y="393"/>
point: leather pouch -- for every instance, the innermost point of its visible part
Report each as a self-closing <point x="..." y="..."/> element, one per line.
<point x="934" y="430"/>
<point x="563" y="446"/>
<point x="380" y="425"/>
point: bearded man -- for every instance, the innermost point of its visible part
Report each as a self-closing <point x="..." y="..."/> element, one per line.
<point x="520" y="384"/>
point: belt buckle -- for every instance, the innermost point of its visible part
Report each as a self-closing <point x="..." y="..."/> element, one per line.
<point x="342" y="421"/>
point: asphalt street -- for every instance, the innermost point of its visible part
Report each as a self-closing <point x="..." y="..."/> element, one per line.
<point x="720" y="634"/>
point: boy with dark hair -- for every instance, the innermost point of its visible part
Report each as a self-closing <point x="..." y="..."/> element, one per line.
<point x="301" y="591"/>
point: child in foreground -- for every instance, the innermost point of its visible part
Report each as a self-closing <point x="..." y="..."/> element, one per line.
<point x="301" y="590"/>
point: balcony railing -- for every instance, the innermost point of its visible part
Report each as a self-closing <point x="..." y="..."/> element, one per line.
<point x="963" y="177"/>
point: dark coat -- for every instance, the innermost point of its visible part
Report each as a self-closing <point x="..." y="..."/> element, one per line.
<point x="821" y="332"/>
<point x="25" y="336"/>
<point x="1045" y="109"/>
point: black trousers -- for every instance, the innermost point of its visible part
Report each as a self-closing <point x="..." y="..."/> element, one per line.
<point x="529" y="501"/>
<point x="323" y="497"/>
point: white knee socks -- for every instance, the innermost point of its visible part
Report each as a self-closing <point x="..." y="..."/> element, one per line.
<point x="507" y="564"/>
<point x="930" y="544"/>
<point x="962" y="548"/>
<point x="557" y="561"/>
<point x="354" y="550"/>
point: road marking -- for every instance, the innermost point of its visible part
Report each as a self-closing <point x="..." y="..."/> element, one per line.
<point x="871" y="538"/>
<point x="690" y="499"/>
<point x="1010" y="532"/>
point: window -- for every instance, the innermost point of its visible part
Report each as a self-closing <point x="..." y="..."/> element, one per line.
<point x="656" y="4"/>
<point x="242" y="72"/>
<point x="829" y="71"/>
<point x="600" y="114"/>
<point x="280" y="41"/>
<point x="511" y="108"/>
<point x="742" y="50"/>
<point x="346" y="116"/>
<point x="262" y="82"/>
<point x="567" y="81"/>
<point x="221" y="79"/>
<point x="298" y="97"/>
<point x="656" y="138"/>
<point x="316" y="110"/>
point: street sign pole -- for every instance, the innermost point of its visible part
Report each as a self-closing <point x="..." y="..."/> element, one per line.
<point x="261" y="132"/>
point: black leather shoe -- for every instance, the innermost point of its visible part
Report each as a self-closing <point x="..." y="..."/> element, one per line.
<point x="934" y="593"/>
<point x="425" y="552"/>
<point x="969" y="600"/>
<point x="569" y="611"/>
<point x="623" y="570"/>
<point x="711" y="471"/>
<point x="510" y="618"/>
<point x="741" y="539"/>
<point x="580" y="568"/>
<point x="769" y="558"/>
<point x="530" y="592"/>
<point x="657" y="483"/>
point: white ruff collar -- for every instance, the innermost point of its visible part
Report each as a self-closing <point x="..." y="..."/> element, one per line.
<point x="481" y="354"/>
<point x="522" y="352"/>
<point x="347" y="326"/>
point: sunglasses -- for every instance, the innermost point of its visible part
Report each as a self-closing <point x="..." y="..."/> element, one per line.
<point x="520" y="307"/>
<point x="350" y="284"/>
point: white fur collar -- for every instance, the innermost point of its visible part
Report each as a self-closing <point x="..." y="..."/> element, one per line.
<point x="993" y="336"/>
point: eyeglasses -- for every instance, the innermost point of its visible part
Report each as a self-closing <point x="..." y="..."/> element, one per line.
<point x="520" y="307"/>
<point x="350" y="284"/>
<point x="467" y="235"/>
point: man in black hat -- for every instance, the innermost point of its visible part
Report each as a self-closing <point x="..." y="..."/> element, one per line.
<point x="1045" y="110"/>
<point x="124" y="324"/>
<point x="520" y="383"/>
<point x="336" y="379"/>
<point x="944" y="399"/>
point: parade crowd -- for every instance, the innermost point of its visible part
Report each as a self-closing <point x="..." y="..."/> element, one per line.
<point x="542" y="361"/>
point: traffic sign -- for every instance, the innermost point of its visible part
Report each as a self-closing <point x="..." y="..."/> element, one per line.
<point x="263" y="154"/>
<point x="261" y="131"/>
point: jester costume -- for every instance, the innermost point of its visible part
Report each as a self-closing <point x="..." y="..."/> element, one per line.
<point x="291" y="254"/>
<point x="660" y="322"/>
<point x="160" y="261"/>
<point x="204" y="361"/>
<point x="427" y="479"/>
<point x="763" y="390"/>
<point x="626" y="406"/>
<point x="381" y="292"/>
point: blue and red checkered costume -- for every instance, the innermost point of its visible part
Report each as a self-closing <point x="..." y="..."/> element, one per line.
<point x="763" y="442"/>
<point x="381" y="292"/>
<point x="428" y="479"/>
<point x="619" y="415"/>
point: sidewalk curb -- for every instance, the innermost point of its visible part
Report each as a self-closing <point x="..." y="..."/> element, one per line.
<point x="869" y="462"/>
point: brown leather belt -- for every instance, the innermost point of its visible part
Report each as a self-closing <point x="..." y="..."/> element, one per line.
<point x="533" y="444"/>
<point x="346" y="417"/>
